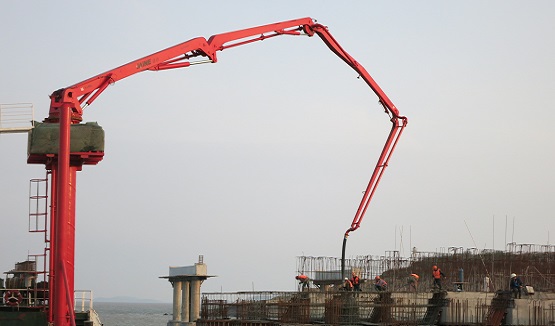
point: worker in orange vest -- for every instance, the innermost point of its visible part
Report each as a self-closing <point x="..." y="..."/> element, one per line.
<point x="438" y="275"/>
<point x="303" y="281"/>
<point x="413" y="282"/>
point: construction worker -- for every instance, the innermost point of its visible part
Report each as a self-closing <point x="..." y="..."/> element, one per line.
<point x="355" y="280"/>
<point x="303" y="281"/>
<point x="437" y="274"/>
<point x="380" y="284"/>
<point x="516" y="286"/>
<point x="347" y="285"/>
<point x="413" y="282"/>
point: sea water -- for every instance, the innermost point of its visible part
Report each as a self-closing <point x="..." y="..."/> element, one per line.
<point x="133" y="314"/>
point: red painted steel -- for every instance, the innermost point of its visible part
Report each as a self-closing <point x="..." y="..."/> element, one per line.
<point x="62" y="243"/>
<point x="396" y="130"/>
<point x="73" y="99"/>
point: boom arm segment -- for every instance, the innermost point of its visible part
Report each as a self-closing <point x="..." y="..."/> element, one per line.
<point x="82" y="94"/>
<point x="67" y="104"/>
<point x="399" y="122"/>
<point x="398" y="125"/>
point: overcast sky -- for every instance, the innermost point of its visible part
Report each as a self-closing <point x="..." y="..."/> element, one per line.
<point x="263" y="156"/>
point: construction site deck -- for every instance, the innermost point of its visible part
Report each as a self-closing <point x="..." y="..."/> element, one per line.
<point x="475" y="291"/>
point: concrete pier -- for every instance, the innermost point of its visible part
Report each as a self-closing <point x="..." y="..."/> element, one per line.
<point x="186" y="282"/>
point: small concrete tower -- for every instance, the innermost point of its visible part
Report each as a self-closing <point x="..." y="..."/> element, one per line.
<point x="186" y="282"/>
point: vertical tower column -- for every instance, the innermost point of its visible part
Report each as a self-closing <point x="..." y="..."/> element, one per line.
<point x="62" y="306"/>
<point x="195" y="300"/>
<point x="186" y="301"/>
<point x="177" y="289"/>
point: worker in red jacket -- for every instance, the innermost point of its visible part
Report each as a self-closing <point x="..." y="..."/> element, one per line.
<point x="347" y="285"/>
<point x="380" y="284"/>
<point x="356" y="282"/>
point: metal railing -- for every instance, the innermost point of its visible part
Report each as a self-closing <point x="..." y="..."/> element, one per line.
<point x="16" y="117"/>
<point x="37" y="296"/>
<point x="24" y="297"/>
<point x="84" y="300"/>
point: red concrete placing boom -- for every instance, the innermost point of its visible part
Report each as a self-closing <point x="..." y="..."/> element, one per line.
<point x="66" y="108"/>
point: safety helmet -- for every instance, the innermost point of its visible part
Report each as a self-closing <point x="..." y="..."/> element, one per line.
<point x="513" y="275"/>
<point x="434" y="267"/>
<point x="346" y="279"/>
<point x="377" y="277"/>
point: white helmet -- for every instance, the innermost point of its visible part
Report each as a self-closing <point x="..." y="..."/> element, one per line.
<point x="513" y="275"/>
